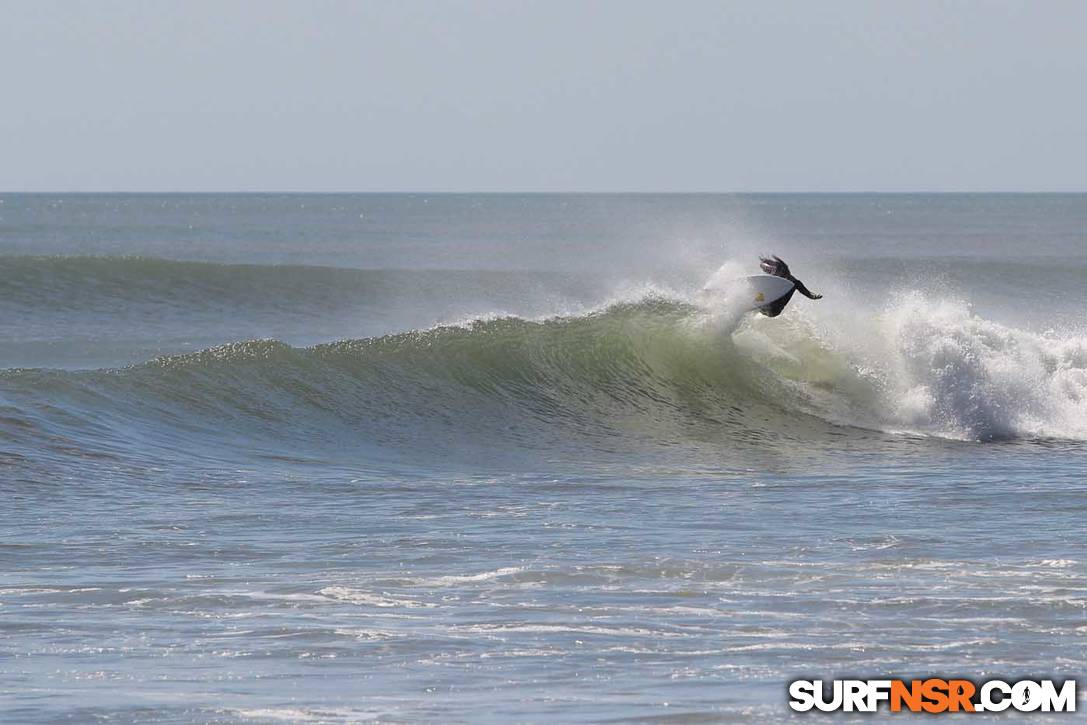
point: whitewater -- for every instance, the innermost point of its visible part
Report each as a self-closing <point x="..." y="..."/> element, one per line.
<point x="490" y="457"/>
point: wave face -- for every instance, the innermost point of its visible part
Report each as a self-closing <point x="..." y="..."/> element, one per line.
<point x="654" y="374"/>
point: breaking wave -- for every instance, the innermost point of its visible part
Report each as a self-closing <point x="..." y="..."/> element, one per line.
<point x="656" y="372"/>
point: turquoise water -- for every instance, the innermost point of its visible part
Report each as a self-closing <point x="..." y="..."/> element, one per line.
<point x="489" y="458"/>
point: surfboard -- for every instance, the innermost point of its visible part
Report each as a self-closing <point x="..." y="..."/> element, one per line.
<point x="762" y="289"/>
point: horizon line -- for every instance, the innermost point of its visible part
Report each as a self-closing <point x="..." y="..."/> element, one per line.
<point x="449" y="192"/>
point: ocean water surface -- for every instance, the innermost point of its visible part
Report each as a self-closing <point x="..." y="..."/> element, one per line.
<point x="489" y="458"/>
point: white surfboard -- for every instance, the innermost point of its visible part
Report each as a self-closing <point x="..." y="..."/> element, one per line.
<point x="762" y="289"/>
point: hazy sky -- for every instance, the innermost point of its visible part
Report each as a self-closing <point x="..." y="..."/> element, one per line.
<point x="508" y="96"/>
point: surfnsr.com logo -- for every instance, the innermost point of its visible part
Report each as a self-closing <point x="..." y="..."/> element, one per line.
<point x="932" y="695"/>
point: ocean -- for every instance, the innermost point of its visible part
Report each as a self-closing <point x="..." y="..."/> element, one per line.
<point x="491" y="458"/>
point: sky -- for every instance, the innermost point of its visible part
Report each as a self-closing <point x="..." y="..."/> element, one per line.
<point x="513" y="95"/>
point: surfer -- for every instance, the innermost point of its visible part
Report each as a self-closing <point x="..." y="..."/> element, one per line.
<point x="773" y="265"/>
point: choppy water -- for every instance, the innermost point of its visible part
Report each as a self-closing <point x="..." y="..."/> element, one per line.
<point x="489" y="458"/>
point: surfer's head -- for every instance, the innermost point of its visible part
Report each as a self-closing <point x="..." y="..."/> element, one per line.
<point x="774" y="265"/>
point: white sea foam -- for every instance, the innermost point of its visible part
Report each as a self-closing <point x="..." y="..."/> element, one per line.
<point x="454" y="579"/>
<point x="924" y="365"/>
<point x="370" y="599"/>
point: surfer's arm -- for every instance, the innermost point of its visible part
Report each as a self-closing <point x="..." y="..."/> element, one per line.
<point x="804" y="290"/>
